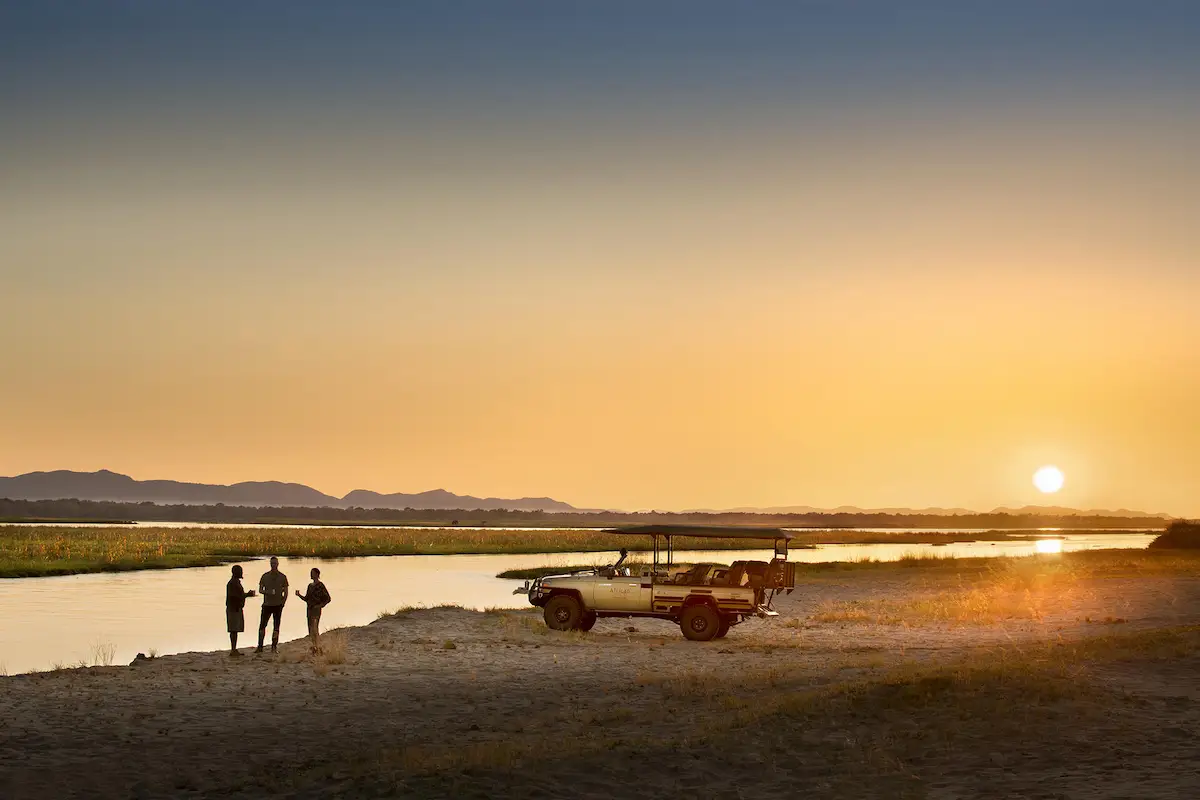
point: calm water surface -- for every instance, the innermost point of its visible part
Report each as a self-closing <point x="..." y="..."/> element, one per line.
<point x="56" y="621"/>
<point x="260" y="525"/>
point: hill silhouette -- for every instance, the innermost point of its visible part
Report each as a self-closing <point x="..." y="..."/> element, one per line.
<point x="1054" y="511"/>
<point x="442" y="499"/>
<point x="105" y="485"/>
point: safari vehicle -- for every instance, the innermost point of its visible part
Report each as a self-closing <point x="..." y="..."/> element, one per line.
<point x="705" y="600"/>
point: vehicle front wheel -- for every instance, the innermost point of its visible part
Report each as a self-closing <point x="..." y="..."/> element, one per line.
<point x="587" y="621"/>
<point x="723" y="627"/>
<point x="700" y="623"/>
<point x="563" y="613"/>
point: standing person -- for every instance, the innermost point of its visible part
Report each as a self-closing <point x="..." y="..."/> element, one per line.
<point x="273" y="586"/>
<point x="317" y="598"/>
<point x="235" y="601"/>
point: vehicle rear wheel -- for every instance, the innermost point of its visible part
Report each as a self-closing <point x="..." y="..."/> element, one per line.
<point x="700" y="623"/>
<point x="587" y="621"/>
<point x="563" y="613"/>
<point x="723" y="627"/>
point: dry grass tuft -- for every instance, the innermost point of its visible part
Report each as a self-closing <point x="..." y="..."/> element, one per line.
<point x="334" y="646"/>
<point x="103" y="654"/>
<point x="518" y="623"/>
<point x="404" y="610"/>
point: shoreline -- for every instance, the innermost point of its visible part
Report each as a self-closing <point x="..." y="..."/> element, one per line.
<point x="29" y="552"/>
<point x="872" y="682"/>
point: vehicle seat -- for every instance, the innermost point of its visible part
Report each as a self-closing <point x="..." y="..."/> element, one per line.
<point x="736" y="575"/>
<point x="694" y="576"/>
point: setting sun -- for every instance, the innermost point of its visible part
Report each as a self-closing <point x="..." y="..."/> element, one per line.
<point x="1048" y="479"/>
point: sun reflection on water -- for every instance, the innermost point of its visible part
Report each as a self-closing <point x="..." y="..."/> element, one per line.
<point x="1048" y="545"/>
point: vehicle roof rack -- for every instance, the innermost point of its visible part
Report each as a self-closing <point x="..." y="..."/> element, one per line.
<point x="705" y="531"/>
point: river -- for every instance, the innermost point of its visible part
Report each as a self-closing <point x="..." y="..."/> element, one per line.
<point x="47" y="622"/>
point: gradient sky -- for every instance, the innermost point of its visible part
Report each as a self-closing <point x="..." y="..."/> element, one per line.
<point x="635" y="255"/>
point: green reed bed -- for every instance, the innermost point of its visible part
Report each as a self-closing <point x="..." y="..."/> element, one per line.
<point x="49" y="550"/>
<point x="34" y="551"/>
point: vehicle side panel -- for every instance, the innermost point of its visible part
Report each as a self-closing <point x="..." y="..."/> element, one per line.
<point x="584" y="588"/>
<point x="622" y="594"/>
<point x="670" y="598"/>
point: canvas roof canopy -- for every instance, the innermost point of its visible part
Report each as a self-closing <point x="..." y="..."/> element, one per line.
<point x="705" y="531"/>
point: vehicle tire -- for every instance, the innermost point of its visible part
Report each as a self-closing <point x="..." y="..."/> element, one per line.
<point x="700" y="623"/>
<point x="723" y="627"/>
<point x="587" y="621"/>
<point x="563" y="613"/>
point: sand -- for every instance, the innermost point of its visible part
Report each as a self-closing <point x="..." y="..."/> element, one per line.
<point x="450" y="703"/>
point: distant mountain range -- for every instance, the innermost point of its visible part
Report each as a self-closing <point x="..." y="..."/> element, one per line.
<point x="839" y="510"/>
<point x="112" y="486"/>
<point x="106" y="485"/>
<point x="1054" y="511"/>
<point x="1046" y="511"/>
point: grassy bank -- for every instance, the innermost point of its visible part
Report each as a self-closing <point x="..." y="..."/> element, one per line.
<point x="986" y="591"/>
<point x="37" y="551"/>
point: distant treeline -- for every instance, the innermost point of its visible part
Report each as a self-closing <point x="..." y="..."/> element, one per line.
<point x="95" y="511"/>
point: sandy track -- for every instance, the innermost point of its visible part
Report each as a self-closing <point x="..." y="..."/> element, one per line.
<point x="514" y="708"/>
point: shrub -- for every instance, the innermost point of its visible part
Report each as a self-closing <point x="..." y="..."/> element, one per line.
<point x="1179" y="535"/>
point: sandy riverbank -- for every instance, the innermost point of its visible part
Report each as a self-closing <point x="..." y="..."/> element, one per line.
<point x="1025" y="682"/>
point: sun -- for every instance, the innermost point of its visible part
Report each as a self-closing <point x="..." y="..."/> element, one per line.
<point x="1048" y="479"/>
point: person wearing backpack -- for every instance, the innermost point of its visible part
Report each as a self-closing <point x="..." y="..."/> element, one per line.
<point x="316" y="599"/>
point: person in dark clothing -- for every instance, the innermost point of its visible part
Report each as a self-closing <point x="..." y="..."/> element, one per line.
<point x="235" y="602"/>
<point x="273" y="586"/>
<point x="317" y="598"/>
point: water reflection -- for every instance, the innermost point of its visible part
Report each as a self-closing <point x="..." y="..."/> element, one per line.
<point x="44" y="621"/>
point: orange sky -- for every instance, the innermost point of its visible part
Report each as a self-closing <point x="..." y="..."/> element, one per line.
<point x="878" y="307"/>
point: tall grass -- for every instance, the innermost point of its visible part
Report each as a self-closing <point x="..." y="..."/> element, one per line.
<point x="33" y="551"/>
<point x="48" y="550"/>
